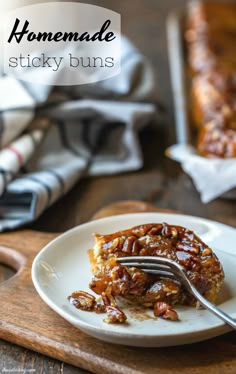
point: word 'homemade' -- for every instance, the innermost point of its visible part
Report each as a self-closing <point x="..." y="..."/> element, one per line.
<point x="101" y="35"/>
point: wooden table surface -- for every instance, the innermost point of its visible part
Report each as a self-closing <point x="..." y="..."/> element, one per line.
<point x="161" y="181"/>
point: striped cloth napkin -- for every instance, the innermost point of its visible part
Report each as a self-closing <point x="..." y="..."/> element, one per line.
<point x="50" y="137"/>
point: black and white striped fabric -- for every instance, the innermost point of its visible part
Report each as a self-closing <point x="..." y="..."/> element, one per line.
<point x="51" y="138"/>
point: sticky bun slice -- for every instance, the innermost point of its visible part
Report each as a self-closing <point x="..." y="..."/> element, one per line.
<point x="111" y="279"/>
<point x="173" y="242"/>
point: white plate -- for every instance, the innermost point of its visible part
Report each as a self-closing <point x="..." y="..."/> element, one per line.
<point x="63" y="267"/>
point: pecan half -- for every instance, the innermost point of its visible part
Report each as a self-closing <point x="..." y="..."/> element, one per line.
<point x="164" y="310"/>
<point x="82" y="300"/>
<point x="114" y="315"/>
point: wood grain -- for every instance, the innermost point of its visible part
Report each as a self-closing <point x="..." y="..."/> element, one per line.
<point x="26" y="320"/>
<point x="128" y="206"/>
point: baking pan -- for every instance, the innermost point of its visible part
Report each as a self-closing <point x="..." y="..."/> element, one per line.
<point x="178" y="74"/>
<point x="181" y="91"/>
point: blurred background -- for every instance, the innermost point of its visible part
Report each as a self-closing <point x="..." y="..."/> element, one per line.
<point x="161" y="181"/>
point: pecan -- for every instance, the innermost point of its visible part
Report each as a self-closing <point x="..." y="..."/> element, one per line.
<point x="143" y="252"/>
<point x="138" y="283"/>
<point x="206" y="252"/>
<point x="114" y="315"/>
<point x="184" y="258"/>
<point x="169" y="231"/>
<point x="164" y="310"/>
<point x="162" y="289"/>
<point x="98" y="285"/>
<point x="82" y="300"/>
<point x="174" y="232"/>
<point x="112" y="245"/>
<point x="141" y="230"/>
<point x="160" y="308"/>
<point x="186" y="235"/>
<point x="208" y="263"/>
<point x="128" y="244"/>
<point x="188" y="247"/>
<point x="154" y="230"/>
<point x="99" y="308"/>
<point x="108" y="299"/>
<point x="120" y="280"/>
<point x="166" y="230"/>
<point x="135" y="248"/>
<point x="85" y="301"/>
<point x="171" y="314"/>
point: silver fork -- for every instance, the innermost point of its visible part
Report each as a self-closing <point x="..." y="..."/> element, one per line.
<point x="171" y="269"/>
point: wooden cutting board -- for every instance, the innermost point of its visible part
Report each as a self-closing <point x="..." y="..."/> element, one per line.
<point x="26" y="320"/>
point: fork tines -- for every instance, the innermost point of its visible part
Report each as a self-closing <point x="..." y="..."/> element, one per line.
<point x="169" y="268"/>
<point x="150" y="264"/>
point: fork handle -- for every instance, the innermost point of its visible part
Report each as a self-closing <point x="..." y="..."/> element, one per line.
<point x="214" y="309"/>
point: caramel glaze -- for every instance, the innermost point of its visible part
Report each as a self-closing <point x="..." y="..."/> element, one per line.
<point x="174" y="242"/>
<point x="112" y="279"/>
